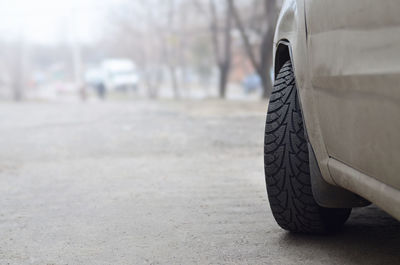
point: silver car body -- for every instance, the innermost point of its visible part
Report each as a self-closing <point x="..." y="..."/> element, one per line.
<point x="346" y="57"/>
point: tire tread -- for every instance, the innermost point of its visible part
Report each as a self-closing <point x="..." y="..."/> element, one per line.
<point x="286" y="164"/>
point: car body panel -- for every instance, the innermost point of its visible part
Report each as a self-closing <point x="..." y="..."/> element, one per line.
<point x="381" y="194"/>
<point x="354" y="51"/>
<point x="346" y="57"/>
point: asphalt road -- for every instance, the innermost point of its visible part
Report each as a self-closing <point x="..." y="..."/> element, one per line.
<point x="164" y="182"/>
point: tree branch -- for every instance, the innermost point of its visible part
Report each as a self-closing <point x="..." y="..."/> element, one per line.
<point x="245" y="38"/>
<point x="214" y="31"/>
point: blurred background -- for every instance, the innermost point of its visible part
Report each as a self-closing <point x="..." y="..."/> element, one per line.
<point x="114" y="49"/>
<point x="132" y="130"/>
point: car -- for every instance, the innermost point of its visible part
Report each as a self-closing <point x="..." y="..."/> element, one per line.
<point x="119" y="74"/>
<point x="332" y="134"/>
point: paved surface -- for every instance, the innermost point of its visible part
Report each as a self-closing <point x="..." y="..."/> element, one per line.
<point x="155" y="183"/>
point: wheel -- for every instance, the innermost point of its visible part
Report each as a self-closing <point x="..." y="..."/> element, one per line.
<point x="286" y="164"/>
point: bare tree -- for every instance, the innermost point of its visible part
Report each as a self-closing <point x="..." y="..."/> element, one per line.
<point x="170" y="35"/>
<point x="135" y="33"/>
<point x="16" y="71"/>
<point x="222" y="44"/>
<point x="183" y="43"/>
<point x="170" y="47"/>
<point x="262" y="62"/>
<point x="151" y="32"/>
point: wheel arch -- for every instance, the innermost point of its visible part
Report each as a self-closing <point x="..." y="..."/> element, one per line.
<point x="325" y="194"/>
<point x="282" y="55"/>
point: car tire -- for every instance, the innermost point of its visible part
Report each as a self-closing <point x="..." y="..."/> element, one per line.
<point x="286" y="164"/>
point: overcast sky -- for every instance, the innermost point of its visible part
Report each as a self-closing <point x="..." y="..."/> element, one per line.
<point x="52" y="21"/>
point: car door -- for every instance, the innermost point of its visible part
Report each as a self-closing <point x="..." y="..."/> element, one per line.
<point x="354" y="55"/>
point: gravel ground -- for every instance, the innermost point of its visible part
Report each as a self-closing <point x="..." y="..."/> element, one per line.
<point x="164" y="182"/>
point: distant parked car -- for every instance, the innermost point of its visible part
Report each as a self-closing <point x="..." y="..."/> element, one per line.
<point x="119" y="75"/>
<point x="332" y="136"/>
<point x="252" y="83"/>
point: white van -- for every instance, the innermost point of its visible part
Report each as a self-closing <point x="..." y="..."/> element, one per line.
<point x="119" y="75"/>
